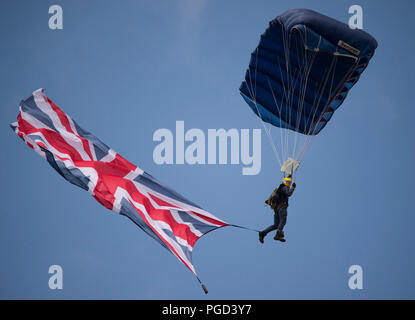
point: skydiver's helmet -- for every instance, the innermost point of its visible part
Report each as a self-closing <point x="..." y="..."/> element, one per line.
<point x="287" y="181"/>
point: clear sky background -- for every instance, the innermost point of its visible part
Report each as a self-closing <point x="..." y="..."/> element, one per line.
<point x="123" y="69"/>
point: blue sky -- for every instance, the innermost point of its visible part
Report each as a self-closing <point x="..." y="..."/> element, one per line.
<point x="125" y="69"/>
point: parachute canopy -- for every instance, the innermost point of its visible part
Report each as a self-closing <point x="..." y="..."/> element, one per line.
<point x="303" y="68"/>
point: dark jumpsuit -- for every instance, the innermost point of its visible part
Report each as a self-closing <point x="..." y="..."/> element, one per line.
<point x="280" y="208"/>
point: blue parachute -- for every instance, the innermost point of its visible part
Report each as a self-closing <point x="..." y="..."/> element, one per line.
<point x="303" y="68"/>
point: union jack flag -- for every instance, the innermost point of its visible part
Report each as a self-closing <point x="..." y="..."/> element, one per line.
<point x="82" y="159"/>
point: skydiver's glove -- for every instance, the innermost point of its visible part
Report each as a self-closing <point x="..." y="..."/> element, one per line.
<point x="294" y="185"/>
<point x="266" y="201"/>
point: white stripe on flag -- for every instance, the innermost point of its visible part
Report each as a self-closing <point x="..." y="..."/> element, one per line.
<point x="71" y="138"/>
<point x="184" y="206"/>
<point x="177" y="250"/>
<point x="178" y="219"/>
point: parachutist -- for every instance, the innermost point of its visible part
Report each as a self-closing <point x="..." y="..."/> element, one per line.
<point x="278" y="201"/>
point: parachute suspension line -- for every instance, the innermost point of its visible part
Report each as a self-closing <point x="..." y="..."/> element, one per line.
<point x="290" y="95"/>
<point x="343" y="80"/>
<point x="287" y="83"/>
<point x="278" y="108"/>
<point x="285" y="96"/>
<point x="301" y="96"/>
<point x="292" y="77"/>
<point x="252" y="93"/>
<point x="271" y="141"/>
<point x="332" y="67"/>
<point x="284" y="137"/>
<point x="288" y="86"/>
<point x="284" y="132"/>
<point x="268" y="132"/>
<point x="302" y="76"/>
<point x="305" y="63"/>
<point x="311" y="133"/>
<point x="307" y="69"/>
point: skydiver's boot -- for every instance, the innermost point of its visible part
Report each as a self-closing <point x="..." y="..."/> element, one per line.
<point x="261" y="237"/>
<point x="280" y="236"/>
